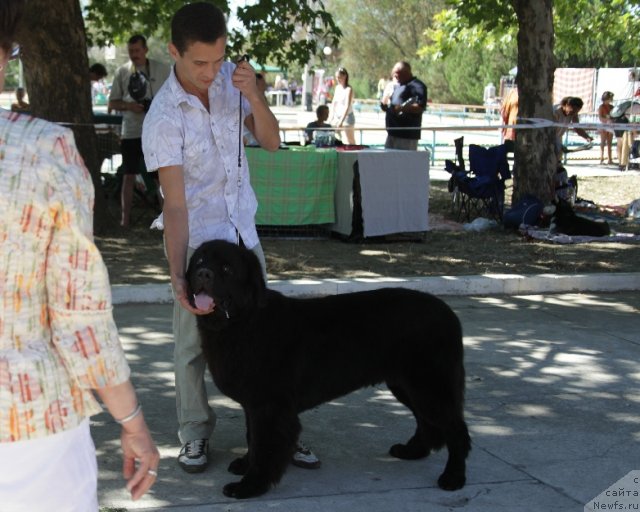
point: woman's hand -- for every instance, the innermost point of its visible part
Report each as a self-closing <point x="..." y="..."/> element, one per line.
<point x="140" y="457"/>
<point x="139" y="453"/>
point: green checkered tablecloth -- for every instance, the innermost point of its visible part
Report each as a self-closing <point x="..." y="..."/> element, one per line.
<point x="294" y="186"/>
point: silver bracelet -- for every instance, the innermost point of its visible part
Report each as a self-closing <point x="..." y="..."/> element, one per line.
<point x="136" y="412"/>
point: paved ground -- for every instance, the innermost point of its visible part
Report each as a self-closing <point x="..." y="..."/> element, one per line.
<point x="552" y="405"/>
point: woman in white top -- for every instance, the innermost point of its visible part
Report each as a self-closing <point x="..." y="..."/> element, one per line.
<point x="342" y="106"/>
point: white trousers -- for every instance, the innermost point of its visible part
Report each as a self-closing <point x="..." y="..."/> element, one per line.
<point x="57" y="472"/>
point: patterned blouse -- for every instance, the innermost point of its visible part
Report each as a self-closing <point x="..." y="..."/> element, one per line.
<point x="58" y="339"/>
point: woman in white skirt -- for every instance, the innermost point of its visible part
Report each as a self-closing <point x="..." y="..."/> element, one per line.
<point x="58" y="340"/>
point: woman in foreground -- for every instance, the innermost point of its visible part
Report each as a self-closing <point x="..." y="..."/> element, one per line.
<point x="58" y="340"/>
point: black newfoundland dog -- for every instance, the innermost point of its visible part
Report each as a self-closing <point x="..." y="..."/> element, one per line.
<point x="278" y="356"/>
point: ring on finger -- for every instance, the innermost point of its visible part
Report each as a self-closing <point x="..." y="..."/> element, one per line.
<point x="153" y="473"/>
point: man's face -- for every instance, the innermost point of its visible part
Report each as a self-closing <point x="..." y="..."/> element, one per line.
<point x="400" y="73"/>
<point x="198" y="66"/>
<point x="138" y="53"/>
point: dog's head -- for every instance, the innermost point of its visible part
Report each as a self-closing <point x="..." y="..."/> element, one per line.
<point x="562" y="209"/>
<point x="226" y="276"/>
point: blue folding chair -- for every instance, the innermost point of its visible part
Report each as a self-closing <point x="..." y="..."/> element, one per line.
<point x="479" y="192"/>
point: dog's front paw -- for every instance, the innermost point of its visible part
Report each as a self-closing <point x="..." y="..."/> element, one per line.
<point x="242" y="489"/>
<point x="239" y="466"/>
<point x="451" y="481"/>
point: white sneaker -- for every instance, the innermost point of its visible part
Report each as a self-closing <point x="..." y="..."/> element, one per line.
<point x="193" y="456"/>
<point x="305" y="458"/>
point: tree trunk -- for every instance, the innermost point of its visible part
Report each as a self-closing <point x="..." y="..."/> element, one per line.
<point x="535" y="160"/>
<point x="54" y="54"/>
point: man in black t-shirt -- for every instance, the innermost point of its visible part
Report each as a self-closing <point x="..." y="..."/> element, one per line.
<point x="404" y="109"/>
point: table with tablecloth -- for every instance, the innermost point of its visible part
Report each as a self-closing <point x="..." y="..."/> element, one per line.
<point x="294" y="186"/>
<point x="394" y="191"/>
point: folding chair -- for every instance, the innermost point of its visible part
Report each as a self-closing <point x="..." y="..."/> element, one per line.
<point x="480" y="190"/>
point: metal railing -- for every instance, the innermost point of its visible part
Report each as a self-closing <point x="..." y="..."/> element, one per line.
<point x="439" y="139"/>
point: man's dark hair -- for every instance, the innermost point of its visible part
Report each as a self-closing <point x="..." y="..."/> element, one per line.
<point x="138" y="38"/>
<point x="10" y="14"/>
<point x="320" y="109"/>
<point x="98" y="70"/>
<point x="199" y="22"/>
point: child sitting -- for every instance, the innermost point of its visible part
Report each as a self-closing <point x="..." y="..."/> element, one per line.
<point x="322" y="114"/>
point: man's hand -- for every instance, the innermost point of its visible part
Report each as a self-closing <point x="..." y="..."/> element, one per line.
<point x="180" y="288"/>
<point x="121" y="106"/>
<point x="244" y="78"/>
<point x="138" y="108"/>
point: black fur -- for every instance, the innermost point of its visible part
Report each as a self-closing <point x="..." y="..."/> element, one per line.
<point x="566" y="221"/>
<point x="278" y="356"/>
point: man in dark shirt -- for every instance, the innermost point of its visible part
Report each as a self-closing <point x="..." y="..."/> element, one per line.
<point x="404" y="109"/>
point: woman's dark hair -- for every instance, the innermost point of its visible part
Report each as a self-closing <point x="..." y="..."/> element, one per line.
<point x="198" y="22"/>
<point x="343" y="71"/>
<point x="607" y="95"/>
<point x="576" y="102"/>
<point x="572" y="101"/>
<point x="10" y="14"/>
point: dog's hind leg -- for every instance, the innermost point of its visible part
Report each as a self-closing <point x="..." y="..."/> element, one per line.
<point x="449" y="416"/>
<point x="438" y="408"/>
<point x="441" y="405"/>
<point x="274" y="431"/>
<point x="458" y="444"/>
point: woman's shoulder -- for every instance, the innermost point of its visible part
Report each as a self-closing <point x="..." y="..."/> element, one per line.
<point x="31" y="127"/>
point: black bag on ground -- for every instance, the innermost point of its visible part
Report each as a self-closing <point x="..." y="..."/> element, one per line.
<point x="525" y="211"/>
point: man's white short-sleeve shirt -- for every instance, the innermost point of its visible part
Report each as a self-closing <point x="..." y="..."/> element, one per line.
<point x="178" y="131"/>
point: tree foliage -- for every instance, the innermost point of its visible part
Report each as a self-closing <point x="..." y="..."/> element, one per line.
<point x="379" y="33"/>
<point x="588" y="33"/>
<point x="281" y="32"/>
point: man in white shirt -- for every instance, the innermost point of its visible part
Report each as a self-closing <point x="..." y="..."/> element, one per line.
<point x="132" y="91"/>
<point x="192" y="136"/>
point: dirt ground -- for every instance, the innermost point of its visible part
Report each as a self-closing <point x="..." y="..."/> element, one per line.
<point x="136" y="256"/>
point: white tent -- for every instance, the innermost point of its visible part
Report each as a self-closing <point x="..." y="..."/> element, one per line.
<point x="616" y="80"/>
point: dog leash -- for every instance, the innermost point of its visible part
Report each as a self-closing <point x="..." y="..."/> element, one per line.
<point x="244" y="58"/>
